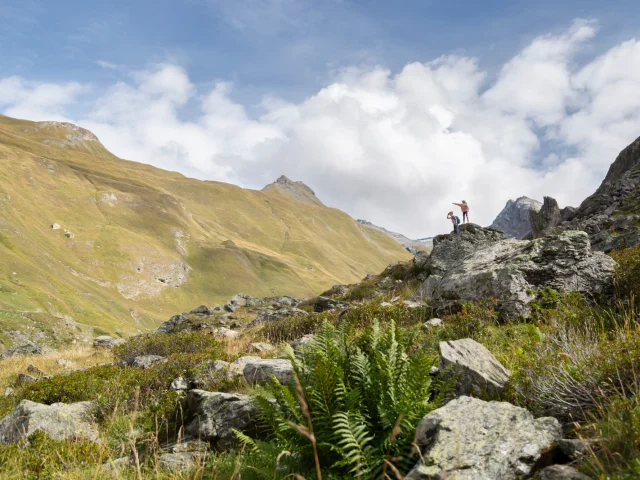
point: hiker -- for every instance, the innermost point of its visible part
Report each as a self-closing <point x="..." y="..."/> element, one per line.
<point x="455" y="220"/>
<point x="465" y="210"/>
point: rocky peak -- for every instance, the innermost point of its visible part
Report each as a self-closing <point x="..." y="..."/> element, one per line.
<point x="513" y="220"/>
<point x="400" y="238"/>
<point x="297" y="190"/>
<point x="73" y="133"/>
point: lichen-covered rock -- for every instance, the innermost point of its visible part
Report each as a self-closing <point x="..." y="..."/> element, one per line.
<point x="28" y="349"/>
<point x="514" y="219"/>
<point x="510" y="270"/>
<point x="256" y="370"/>
<point x="174" y="324"/>
<point x="201" y="310"/>
<point x="106" y="342"/>
<point x="266" y="314"/>
<point x="326" y="304"/>
<point x="476" y="370"/>
<point x="60" y="421"/>
<point x="545" y="219"/>
<point x="562" y="472"/>
<point x="215" y="415"/>
<point x="179" y="384"/>
<point x="434" y="322"/>
<point x="470" y="439"/>
<point x="181" y="461"/>
<point x="260" y="347"/>
<point x="146" y="361"/>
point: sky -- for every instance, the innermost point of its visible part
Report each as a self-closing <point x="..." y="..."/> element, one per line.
<point x="390" y="111"/>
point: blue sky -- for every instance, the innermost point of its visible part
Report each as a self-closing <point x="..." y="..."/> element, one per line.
<point x="389" y="110"/>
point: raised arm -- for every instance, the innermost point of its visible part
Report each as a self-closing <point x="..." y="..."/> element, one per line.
<point x="458" y="204"/>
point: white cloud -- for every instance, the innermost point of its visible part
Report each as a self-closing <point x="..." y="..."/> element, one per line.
<point x="394" y="148"/>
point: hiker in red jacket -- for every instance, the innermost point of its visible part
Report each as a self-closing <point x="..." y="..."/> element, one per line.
<point x="465" y="210"/>
<point x="455" y="221"/>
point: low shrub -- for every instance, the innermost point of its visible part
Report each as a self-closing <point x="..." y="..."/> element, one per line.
<point x="627" y="275"/>
<point x="289" y="329"/>
<point x="168" y="344"/>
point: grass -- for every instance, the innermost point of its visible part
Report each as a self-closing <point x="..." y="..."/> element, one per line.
<point x="128" y="216"/>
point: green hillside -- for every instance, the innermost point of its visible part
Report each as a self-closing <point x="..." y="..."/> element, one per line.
<point x="137" y="244"/>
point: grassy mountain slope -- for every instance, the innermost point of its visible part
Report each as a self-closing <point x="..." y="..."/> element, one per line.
<point x="138" y="244"/>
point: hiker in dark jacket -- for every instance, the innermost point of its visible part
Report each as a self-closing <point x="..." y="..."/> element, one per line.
<point x="455" y="221"/>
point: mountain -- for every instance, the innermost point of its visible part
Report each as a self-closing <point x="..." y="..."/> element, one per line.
<point x="419" y="244"/>
<point x="90" y="241"/>
<point x="514" y="220"/>
<point x="296" y="190"/>
<point x="611" y="215"/>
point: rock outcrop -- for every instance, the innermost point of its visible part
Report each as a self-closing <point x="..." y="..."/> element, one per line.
<point x="256" y="370"/>
<point x="215" y="415"/>
<point x="471" y="439"/>
<point x="106" y="342"/>
<point x="60" y="421"/>
<point x="514" y="219"/>
<point x="545" y="219"/>
<point x="296" y="190"/>
<point x="27" y="349"/>
<point x="477" y="371"/>
<point x="509" y="270"/>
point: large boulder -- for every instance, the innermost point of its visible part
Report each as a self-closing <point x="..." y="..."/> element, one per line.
<point x="470" y="439"/>
<point x="28" y="349"/>
<point x="326" y="304"/>
<point x="60" y="421"/>
<point x="510" y="270"/>
<point x="256" y="370"/>
<point x="146" y="361"/>
<point x="269" y="314"/>
<point x="476" y="370"/>
<point x="214" y="416"/>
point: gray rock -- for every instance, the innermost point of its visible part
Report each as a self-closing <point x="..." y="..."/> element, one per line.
<point x="301" y="342"/>
<point x="514" y="220"/>
<point x="326" y="304"/>
<point x="224" y="333"/>
<point x="509" y="270"/>
<point x="214" y="415"/>
<point x="24" y="378"/>
<point x="55" y="226"/>
<point x="434" y="322"/>
<point x="179" y="384"/>
<point x="574" y="448"/>
<point x="67" y="364"/>
<point x="477" y="371"/>
<point x="266" y="314"/>
<point x="174" y="324"/>
<point x="8" y="392"/>
<point x="260" y="370"/>
<point x="106" y="342"/>
<point x="562" y="472"/>
<point x="260" y="347"/>
<point x="202" y="310"/>
<point x="208" y="373"/>
<point x="229" y="307"/>
<point x="60" y="421"/>
<point x="182" y="461"/>
<point x="118" y="464"/>
<point x="33" y="370"/>
<point x="239" y="300"/>
<point x="146" y="361"/>
<point x="28" y="349"/>
<point x="470" y="439"/>
<point x="545" y="219"/>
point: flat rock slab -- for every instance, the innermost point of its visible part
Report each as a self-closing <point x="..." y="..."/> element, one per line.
<point x="146" y="361"/>
<point x="215" y="415"/>
<point x="256" y="370"/>
<point x="106" y="342"/>
<point x="470" y="439"/>
<point x="60" y="421"/>
<point x="477" y="371"/>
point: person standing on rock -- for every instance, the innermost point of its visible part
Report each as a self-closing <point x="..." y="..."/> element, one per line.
<point x="465" y="210"/>
<point x="455" y="221"/>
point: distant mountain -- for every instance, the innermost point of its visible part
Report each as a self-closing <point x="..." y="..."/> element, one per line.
<point x="406" y="242"/>
<point x="296" y="190"/>
<point x="88" y="240"/>
<point x="514" y="220"/>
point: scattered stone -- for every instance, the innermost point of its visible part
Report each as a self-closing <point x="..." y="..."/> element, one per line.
<point x="574" y="448"/>
<point x="434" y="322"/>
<point x="256" y="370"/>
<point x="8" y="392"/>
<point x="325" y="304"/>
<point x="55" y="226"/>
<point x="201" y="310"/>
<point x="60" y="421"/>
<point x="229" y="307"/>
<point x="106" y="342"/>
<point x="562" y="472"/>
<point x="236" y="325"/>
<point x="260" y="347"/>
<point x="386" y="304"/>
<point x="33" y="370"/>
<point x="67" y="364"/>
<point x="180" y="461"/>
<point x="179" y="384"/>
<point x="24" y="378"/>
<point x="473" y="439"/>
<point x="239" y="300"/>
<point x="215" y="415"/>
<point x="174" y="324"/>
<point x="434" y="371"/>
<point x="28" y="349"/>
<point x="301" y="342"/>
<point x="68" y="234"/>
<point x="477" y="371"/>
<point x="146" y="361"/>
<point x="118" y="464"/>
<point x="267" y="314"/>
<point x="224" y="333"/>
<point x="413" y="304"/>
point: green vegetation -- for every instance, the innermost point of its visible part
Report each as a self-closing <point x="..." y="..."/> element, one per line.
<point x="135" y="227"/>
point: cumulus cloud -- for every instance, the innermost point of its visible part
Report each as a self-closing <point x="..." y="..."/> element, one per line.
<point x="396" y="148"/>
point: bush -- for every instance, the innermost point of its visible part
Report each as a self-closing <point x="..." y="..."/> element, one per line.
<point x="627" y="275"/>
<point x="168" y="344"/>
<point x="289" y="329"/>
<point x="361" y="396"/>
